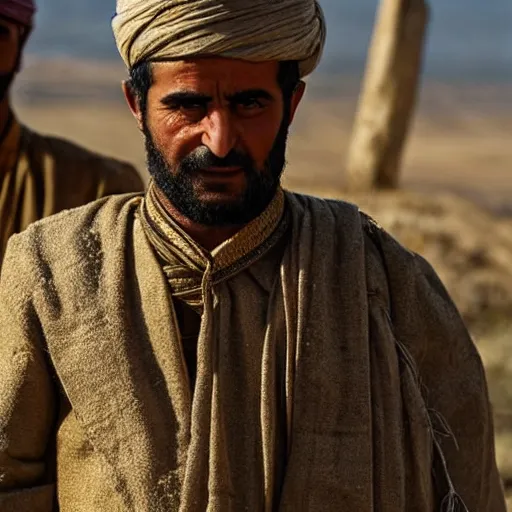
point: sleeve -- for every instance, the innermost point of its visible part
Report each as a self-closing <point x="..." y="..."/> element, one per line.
<point x="27" y="396"/>
<point x="453" y="380"/>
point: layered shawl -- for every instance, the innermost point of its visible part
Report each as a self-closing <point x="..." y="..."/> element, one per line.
<point x="362" y="355"/>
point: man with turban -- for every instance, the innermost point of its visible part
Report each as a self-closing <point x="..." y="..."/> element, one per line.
<point x="42" y="175"/>
<point x="219" y="343"/>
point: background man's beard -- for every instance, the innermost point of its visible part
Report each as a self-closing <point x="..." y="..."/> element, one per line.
<point x="177" y="184"/>
<point x="5" y="81"/>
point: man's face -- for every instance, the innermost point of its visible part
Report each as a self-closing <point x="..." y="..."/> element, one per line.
<point x="216" y="137"/>
<point x="9" y="53"/>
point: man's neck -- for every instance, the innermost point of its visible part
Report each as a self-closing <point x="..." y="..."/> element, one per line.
<point x="5" y="114"/>
<point x="208" y="237"/>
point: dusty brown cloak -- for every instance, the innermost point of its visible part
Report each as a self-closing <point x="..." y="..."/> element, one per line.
<point x="377" y="369"/>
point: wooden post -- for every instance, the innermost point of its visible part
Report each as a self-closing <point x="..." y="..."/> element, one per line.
<point x="388" y="96"/>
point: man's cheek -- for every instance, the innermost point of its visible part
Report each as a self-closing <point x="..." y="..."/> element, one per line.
<point x="6" y="65"/>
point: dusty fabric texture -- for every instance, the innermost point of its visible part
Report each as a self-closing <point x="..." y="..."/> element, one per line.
<point x="40" y="176"/>
<point x="20" y="11"/>
<point x="254" y="30"/>
<point x="328" y="374"/>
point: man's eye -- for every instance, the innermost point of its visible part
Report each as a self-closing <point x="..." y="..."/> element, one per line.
<point x="250" y="103"/>
<point x="192" y="106"/>
<point x="190" y="109"/>
<point x="249" y="107"/>
<point x="186" y="106"/>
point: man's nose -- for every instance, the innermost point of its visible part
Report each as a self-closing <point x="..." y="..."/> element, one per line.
<point x="219" y="134"/>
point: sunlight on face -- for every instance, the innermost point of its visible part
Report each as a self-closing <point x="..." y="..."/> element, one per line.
<point x="225" y="105"/>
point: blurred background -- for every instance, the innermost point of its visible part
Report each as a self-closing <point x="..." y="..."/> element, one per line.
<point x="459" y="140"/>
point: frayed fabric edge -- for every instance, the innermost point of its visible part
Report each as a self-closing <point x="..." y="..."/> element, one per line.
<point x="453" y="503"/>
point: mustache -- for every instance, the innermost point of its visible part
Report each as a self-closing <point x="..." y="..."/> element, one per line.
<point x="202" y="158"/>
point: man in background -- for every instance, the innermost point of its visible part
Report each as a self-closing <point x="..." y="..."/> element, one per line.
<point x="40" y="175"/>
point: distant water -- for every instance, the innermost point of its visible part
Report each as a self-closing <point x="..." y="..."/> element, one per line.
<point x="469" y="40"/>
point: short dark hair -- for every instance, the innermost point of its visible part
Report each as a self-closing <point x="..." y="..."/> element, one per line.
<point x="141" y="79"/>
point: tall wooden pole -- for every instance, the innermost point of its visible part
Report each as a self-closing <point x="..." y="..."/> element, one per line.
<point x="388" y="96"/>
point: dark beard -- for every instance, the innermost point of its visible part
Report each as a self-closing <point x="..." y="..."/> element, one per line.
<point x="177" y="184"/>
<point x="5" y="82"/>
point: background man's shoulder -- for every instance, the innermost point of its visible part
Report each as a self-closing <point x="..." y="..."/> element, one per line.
<point x="73" y="162"/>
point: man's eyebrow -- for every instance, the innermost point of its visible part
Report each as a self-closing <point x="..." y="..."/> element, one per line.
<point x="178" y="97"/>
<point x="185" y="97"/>
<point x="250" y="94"/>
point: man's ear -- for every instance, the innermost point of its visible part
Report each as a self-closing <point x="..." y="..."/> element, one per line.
<point x="133" y="103"/>
<point x="296" y="97"/>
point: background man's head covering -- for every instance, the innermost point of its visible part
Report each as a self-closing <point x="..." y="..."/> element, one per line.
<point x="19" y="11"/>
<point x="254" y="30"/>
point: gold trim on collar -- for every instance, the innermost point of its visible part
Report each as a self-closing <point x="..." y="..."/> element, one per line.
<point x="184" y="261"/>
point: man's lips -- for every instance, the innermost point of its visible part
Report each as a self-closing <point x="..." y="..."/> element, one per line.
<point x="221" y="173"/>
<point x="223" y="170"/>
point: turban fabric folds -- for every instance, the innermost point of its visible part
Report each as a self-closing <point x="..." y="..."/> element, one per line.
<point x="254" y="30"/>
<point x="19" y="11"/>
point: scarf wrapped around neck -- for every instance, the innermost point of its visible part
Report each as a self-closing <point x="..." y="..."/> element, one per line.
<point x="188" y="266"/>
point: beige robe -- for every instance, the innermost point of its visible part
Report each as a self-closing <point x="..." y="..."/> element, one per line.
<point x="334" y="373"/>
<point x="40" y="176"/>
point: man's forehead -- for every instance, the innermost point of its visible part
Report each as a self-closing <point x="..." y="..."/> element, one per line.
<point x="215" y="71"/>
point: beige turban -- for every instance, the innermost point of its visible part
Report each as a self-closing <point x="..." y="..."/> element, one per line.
<point x="255" y="30"/>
